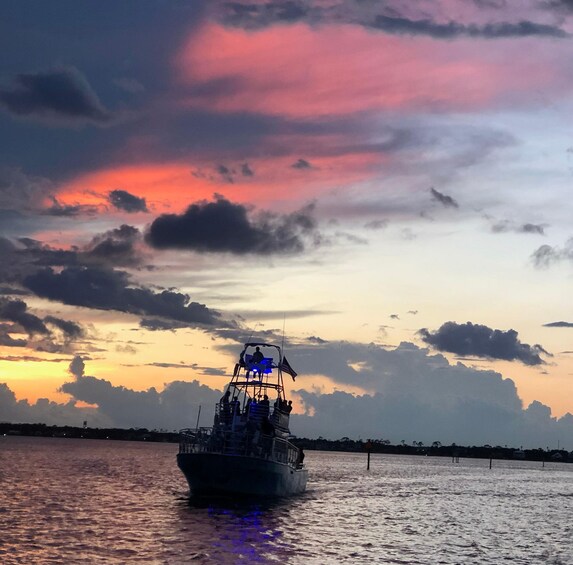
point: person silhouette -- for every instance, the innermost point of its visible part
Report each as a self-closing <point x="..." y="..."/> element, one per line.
<point x="257" y="355"/>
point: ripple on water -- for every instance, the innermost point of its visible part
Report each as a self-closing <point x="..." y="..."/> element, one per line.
<point x="87" y="501"/>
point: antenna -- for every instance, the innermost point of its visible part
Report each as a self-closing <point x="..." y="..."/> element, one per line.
<point x="250" y="337"/>
<point x="283" y="342"/>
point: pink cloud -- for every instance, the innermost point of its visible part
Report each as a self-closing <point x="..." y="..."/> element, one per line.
<point x="172" y="186"/>
<point x="301" y="71"/>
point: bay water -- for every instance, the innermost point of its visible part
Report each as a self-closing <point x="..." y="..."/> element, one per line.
<point x="72" y="501"/>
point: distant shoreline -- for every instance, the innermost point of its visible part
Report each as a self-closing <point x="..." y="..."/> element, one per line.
<point x="320" y="444"/>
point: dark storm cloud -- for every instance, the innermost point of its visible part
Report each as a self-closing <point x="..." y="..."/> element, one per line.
<point x="443" y="199"/>
<point x="70" y="329"/>
<point x="61" y="95"/>
<point x="480" y="341"/>
<point x="454" y="30"/>
<point x="558" y="325"/>
<point x="106" y="289"/>
<point x="225" y="227"/>
<point x="117" y="247"/>
<point x="9" y="290"/>
<point x="40" y="336"/>
<point x="114" y="247"/>
<point x="123" y="200"/>
<point x="253" y="16"/>
<point x="7" y="340"/>
<point x="16" y="311"/>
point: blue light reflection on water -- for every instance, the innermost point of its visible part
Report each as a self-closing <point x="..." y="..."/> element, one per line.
<point x="81" y="501"/>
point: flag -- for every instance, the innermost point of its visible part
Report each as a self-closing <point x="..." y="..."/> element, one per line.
<point x="286" y="368"/>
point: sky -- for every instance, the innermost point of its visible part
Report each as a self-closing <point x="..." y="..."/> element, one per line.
<point x="383" y="186"/>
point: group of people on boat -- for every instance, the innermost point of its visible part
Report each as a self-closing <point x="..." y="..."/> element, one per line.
<point x="255" y="409"/>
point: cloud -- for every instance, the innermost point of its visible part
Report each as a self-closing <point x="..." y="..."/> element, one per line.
<point x="62" y="96"/>
<point x="258" y="15"/>
<point x="77" y="367"/>
<point x="224" y="227"/>
<point x="412" y="396"/>
<point x="68" y="210"/>
<point x="121" y="246"/>
<point x="21" y="191"/>
<point x="252" y="16"/>
<point x="106" y="289"/>
<point x="528" y="228"/>
<point x="480" y="341"/>
<point x="116" y="247"/>
<point x="46" y="411"/>
<point x="156" y="324"/>
<point x="301" y="164"/>
<point x="225" y="173"/>
<point x="454" y="30"/>
<point x="173" y="408"/>
<point x="69" y="329"/>
<point x="7" y="340"/>
<point x="546" y="255"/>
<point x="558" y="325"/>
<point x="123" y="200"/>
<point x="246" y="76"/>
<point x="130" y="85"/>
<point x="50" y="334"/>
<point x="246" y="170"/>
<point x="444" y="199"/>
<point x="376" y="224"/>
<point x="16" y="311"/>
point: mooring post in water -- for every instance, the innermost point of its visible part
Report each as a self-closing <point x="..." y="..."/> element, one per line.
<point x="368" y="450"/>
<point x="490" y="460"/>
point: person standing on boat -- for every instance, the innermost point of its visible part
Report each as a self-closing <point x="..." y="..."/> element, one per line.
<point x="265" y="406"/>
<point x="257" y="355"/>
<point x="256" y="361"/>
<point x="224" y="408"/>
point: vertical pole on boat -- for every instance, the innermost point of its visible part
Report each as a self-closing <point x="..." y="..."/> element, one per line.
<point x="198" y="416"/>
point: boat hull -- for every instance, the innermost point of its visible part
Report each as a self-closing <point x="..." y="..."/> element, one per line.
<point x="216" y="473"/>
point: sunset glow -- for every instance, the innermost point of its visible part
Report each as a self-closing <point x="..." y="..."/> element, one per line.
<point x="385" y="187"/>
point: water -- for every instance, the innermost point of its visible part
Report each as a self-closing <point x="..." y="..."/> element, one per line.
<point x="86" y="501"/>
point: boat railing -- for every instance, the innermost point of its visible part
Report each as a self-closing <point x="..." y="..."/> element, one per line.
<point x="243" y="442"/>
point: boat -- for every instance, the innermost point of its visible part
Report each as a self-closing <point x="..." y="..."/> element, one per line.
<point x="248" y="450"/>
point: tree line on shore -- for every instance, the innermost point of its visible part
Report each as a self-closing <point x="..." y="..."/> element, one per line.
<point x="344" y="444"/>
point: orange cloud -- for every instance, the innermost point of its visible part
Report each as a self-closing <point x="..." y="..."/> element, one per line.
<point x="171" y="187"/>
<point x="302" y="71"/>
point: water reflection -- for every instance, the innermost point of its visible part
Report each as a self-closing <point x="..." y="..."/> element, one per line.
<point x="239" y="530"/>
